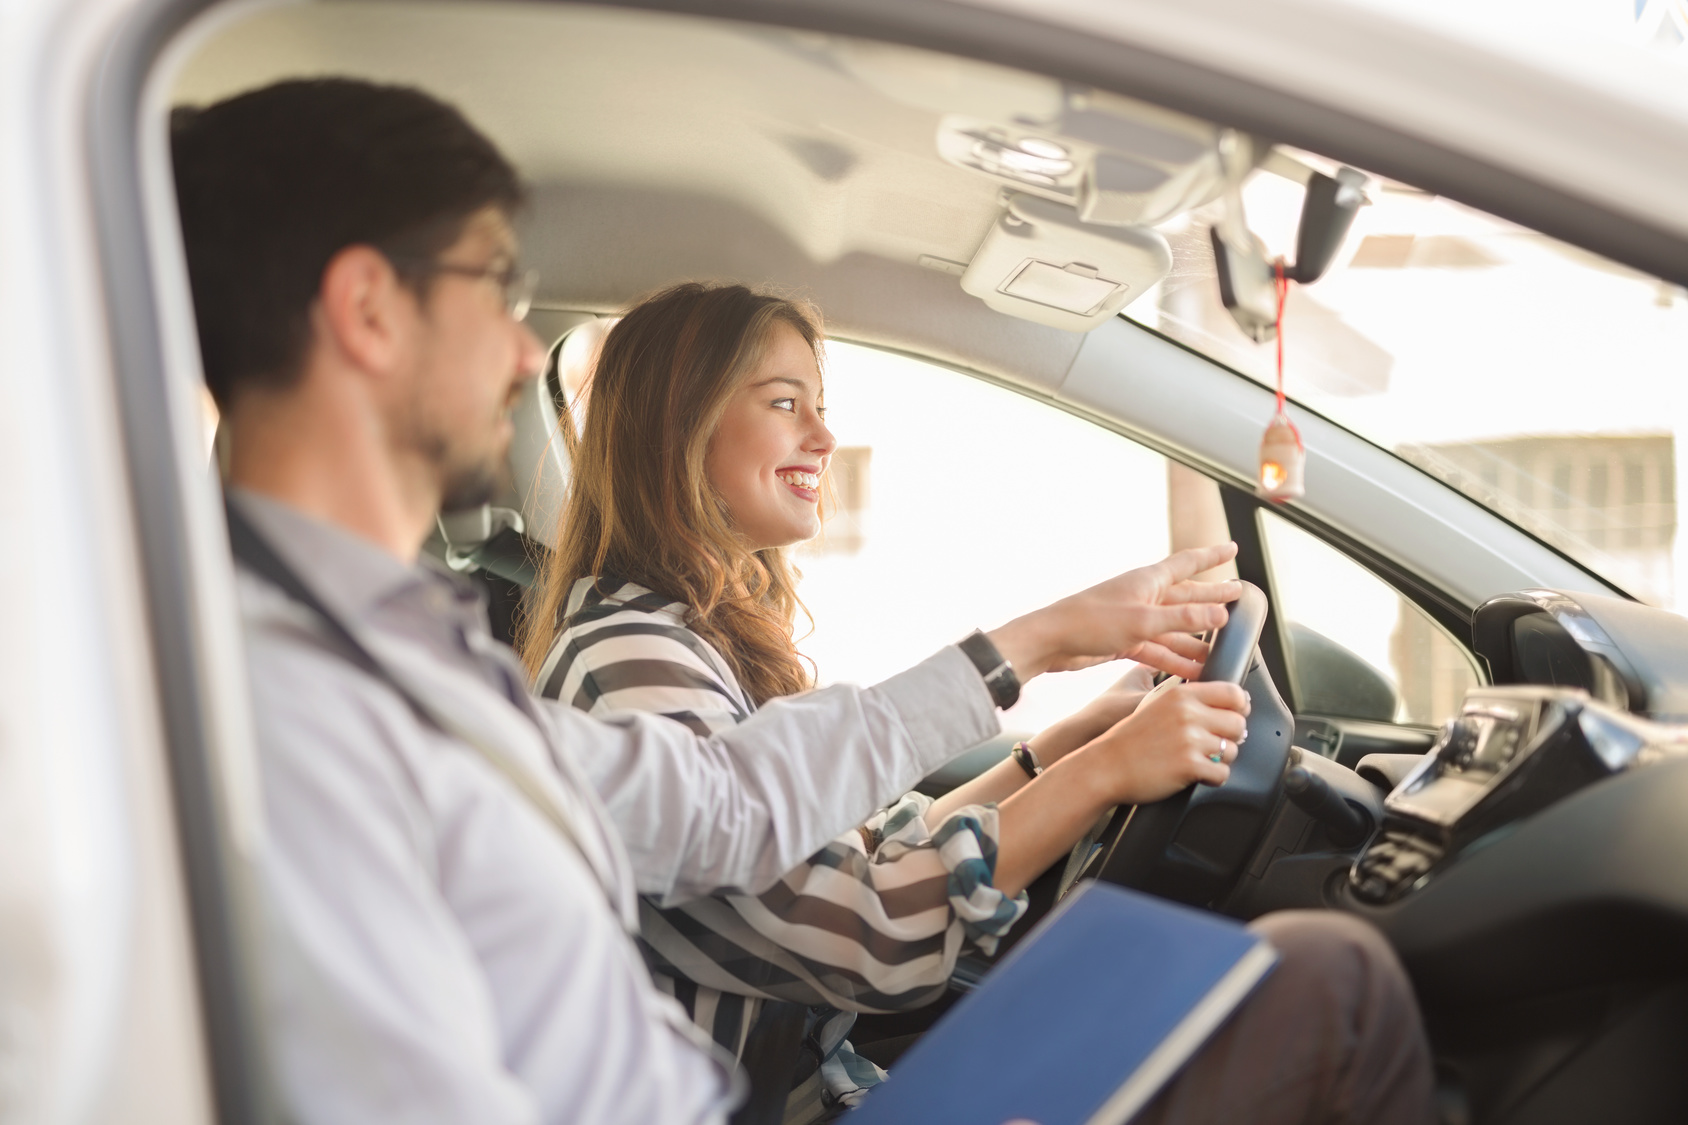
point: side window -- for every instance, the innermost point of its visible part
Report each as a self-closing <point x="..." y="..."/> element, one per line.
<point x="959" y="505"/>
<point x="1358" y="649"/>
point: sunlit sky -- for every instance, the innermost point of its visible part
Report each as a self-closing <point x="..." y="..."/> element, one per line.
<point x="1618" y="23"/>
<point x="1480" y="352"/>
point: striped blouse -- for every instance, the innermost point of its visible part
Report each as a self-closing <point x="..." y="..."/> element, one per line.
<point x="872" y="922"/>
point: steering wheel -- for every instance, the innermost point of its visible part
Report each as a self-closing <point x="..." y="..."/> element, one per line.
<point x="1191" y="846"/>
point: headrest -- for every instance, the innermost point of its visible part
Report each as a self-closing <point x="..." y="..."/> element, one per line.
<point x="509" y="538"/>
<point x="539" y="464"/>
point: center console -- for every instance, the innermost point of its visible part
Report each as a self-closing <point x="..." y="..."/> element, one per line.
<point x="1511" y="751"/>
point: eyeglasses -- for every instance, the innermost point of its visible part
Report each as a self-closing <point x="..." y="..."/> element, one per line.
<point x="517" y="285"/>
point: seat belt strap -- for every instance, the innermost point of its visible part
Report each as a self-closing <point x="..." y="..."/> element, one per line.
<point x="770" y="1058"/>
<point x="255" y="553"/>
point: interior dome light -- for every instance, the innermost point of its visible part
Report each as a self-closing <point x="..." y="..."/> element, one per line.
<point x="1037" y="146"/>
<point x="1014" y="160"/>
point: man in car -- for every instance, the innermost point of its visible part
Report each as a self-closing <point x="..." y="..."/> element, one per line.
<point x="450" y="865"/>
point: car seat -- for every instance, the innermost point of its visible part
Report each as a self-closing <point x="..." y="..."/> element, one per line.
<point x="508" y="538"/>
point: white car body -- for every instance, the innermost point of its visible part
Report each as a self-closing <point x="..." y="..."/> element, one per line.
<point x="120" y="669"/>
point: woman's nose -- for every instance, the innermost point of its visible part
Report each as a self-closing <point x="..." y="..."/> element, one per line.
<point x="821" y="440"/>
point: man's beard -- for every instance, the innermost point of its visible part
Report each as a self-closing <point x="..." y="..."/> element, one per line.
<point x="470" y="486"/>
<point x="466" y="481"/>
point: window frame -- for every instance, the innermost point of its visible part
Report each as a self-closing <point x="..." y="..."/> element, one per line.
<point x="1242" y="516"/>
<point x="172" y="523"/>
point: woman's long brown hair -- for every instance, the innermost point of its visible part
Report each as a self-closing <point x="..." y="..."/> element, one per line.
<point x="640" y="507"/>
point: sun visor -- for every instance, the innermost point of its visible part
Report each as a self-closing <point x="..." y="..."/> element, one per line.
<point x="1041" y="263"/>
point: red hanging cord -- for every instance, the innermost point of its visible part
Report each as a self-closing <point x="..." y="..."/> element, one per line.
<point x="1282" y="286"/>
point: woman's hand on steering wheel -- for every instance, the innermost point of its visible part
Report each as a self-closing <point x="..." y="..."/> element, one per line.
<point x="1186" y="733"/>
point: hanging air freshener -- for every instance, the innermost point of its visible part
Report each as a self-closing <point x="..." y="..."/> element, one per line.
<point x="1282" y="460"/>
<point x="1283" y="457"/>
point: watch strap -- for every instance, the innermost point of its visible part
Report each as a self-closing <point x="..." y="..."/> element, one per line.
<point x="1026" y="759"/>
<point x="997" y="673"/>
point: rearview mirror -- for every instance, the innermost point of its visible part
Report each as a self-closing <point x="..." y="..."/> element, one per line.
<point x="1247" y="280"/>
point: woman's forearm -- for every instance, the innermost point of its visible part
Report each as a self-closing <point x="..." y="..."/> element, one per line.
<point x="1007" y="777"/>
<point x="996" y="784"/>
<point x="1187" y="734"/>
<point x="1055" y="742"/>
<point x="1040" y="823"/>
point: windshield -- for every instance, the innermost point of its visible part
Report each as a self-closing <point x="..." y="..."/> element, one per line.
<point x="1658" y="27"/>
<point x="1545" y="382"/>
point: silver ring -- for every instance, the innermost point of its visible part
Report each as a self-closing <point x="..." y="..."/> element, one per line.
<point x="1219" y="756"/>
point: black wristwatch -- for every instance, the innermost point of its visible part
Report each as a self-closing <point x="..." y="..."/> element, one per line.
<point x="998" y="674"/>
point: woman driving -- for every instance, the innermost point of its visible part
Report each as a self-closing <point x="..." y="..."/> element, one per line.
<point x="702" y="457"/>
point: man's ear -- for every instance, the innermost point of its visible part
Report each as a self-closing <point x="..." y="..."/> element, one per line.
<point x="364" y="311"/>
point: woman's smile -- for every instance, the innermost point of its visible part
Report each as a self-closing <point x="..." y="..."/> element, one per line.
<point x="804" y="482"/>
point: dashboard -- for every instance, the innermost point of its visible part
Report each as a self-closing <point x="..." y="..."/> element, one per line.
<point x="1625" y="655"/>
<point x="1542" y="841"/>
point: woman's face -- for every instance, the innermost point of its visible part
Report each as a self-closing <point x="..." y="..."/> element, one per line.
<point x="767" y="455"/>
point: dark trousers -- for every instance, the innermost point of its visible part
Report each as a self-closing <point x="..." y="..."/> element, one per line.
<point x="1332" y="1036"/>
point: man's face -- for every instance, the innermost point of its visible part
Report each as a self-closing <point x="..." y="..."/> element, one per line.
<point x="471" y="361"/>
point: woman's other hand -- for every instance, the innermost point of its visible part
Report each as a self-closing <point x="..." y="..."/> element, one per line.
<point x="1095" y="718"/>
<point x="1169" y="742"/>
<point x="1146" y="615"/>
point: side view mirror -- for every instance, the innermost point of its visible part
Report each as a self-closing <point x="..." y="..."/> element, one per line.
<point x="1247" y="281"/>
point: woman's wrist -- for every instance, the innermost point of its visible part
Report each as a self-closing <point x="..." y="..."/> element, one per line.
<point x="1086" y="781"/>
<point x="1059" y="739"/>
<point x="1022" y="642"/>
<point x="1107" y="778"/>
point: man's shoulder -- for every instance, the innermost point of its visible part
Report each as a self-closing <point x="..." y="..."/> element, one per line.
<point x="309" y="692"/>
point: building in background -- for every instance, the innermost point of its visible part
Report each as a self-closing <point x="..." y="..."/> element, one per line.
<point x="845" y="503"/>
<point x="1606" y="495"/>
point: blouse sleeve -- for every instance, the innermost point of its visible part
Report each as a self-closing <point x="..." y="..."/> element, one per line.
<point x="858" y="929"/>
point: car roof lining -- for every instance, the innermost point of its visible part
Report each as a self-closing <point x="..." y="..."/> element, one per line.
<point x="780" y="167"/>
<point x="785" y="163"/>
<point x="863" y="296"/>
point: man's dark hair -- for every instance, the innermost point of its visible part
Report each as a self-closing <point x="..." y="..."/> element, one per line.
<point x="275" y="182"/>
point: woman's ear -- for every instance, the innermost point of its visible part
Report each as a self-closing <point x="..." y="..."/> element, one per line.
<point x="363" y="311"/>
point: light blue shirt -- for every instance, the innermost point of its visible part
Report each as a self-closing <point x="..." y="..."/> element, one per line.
<point x="438" y="952"/>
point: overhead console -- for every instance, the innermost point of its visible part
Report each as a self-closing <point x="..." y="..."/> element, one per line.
<point x="1087" y="176"/>
<point x="1585" y="687"/>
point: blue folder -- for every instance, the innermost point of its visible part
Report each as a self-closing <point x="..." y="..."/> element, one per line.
<point x="1083" y="1022"/>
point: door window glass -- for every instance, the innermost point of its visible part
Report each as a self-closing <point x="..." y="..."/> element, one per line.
<point x="1357" y="649"/>
<point x="960" y="505"/>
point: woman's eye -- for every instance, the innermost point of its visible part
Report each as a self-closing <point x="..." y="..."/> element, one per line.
<point x="785" y="404"/>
